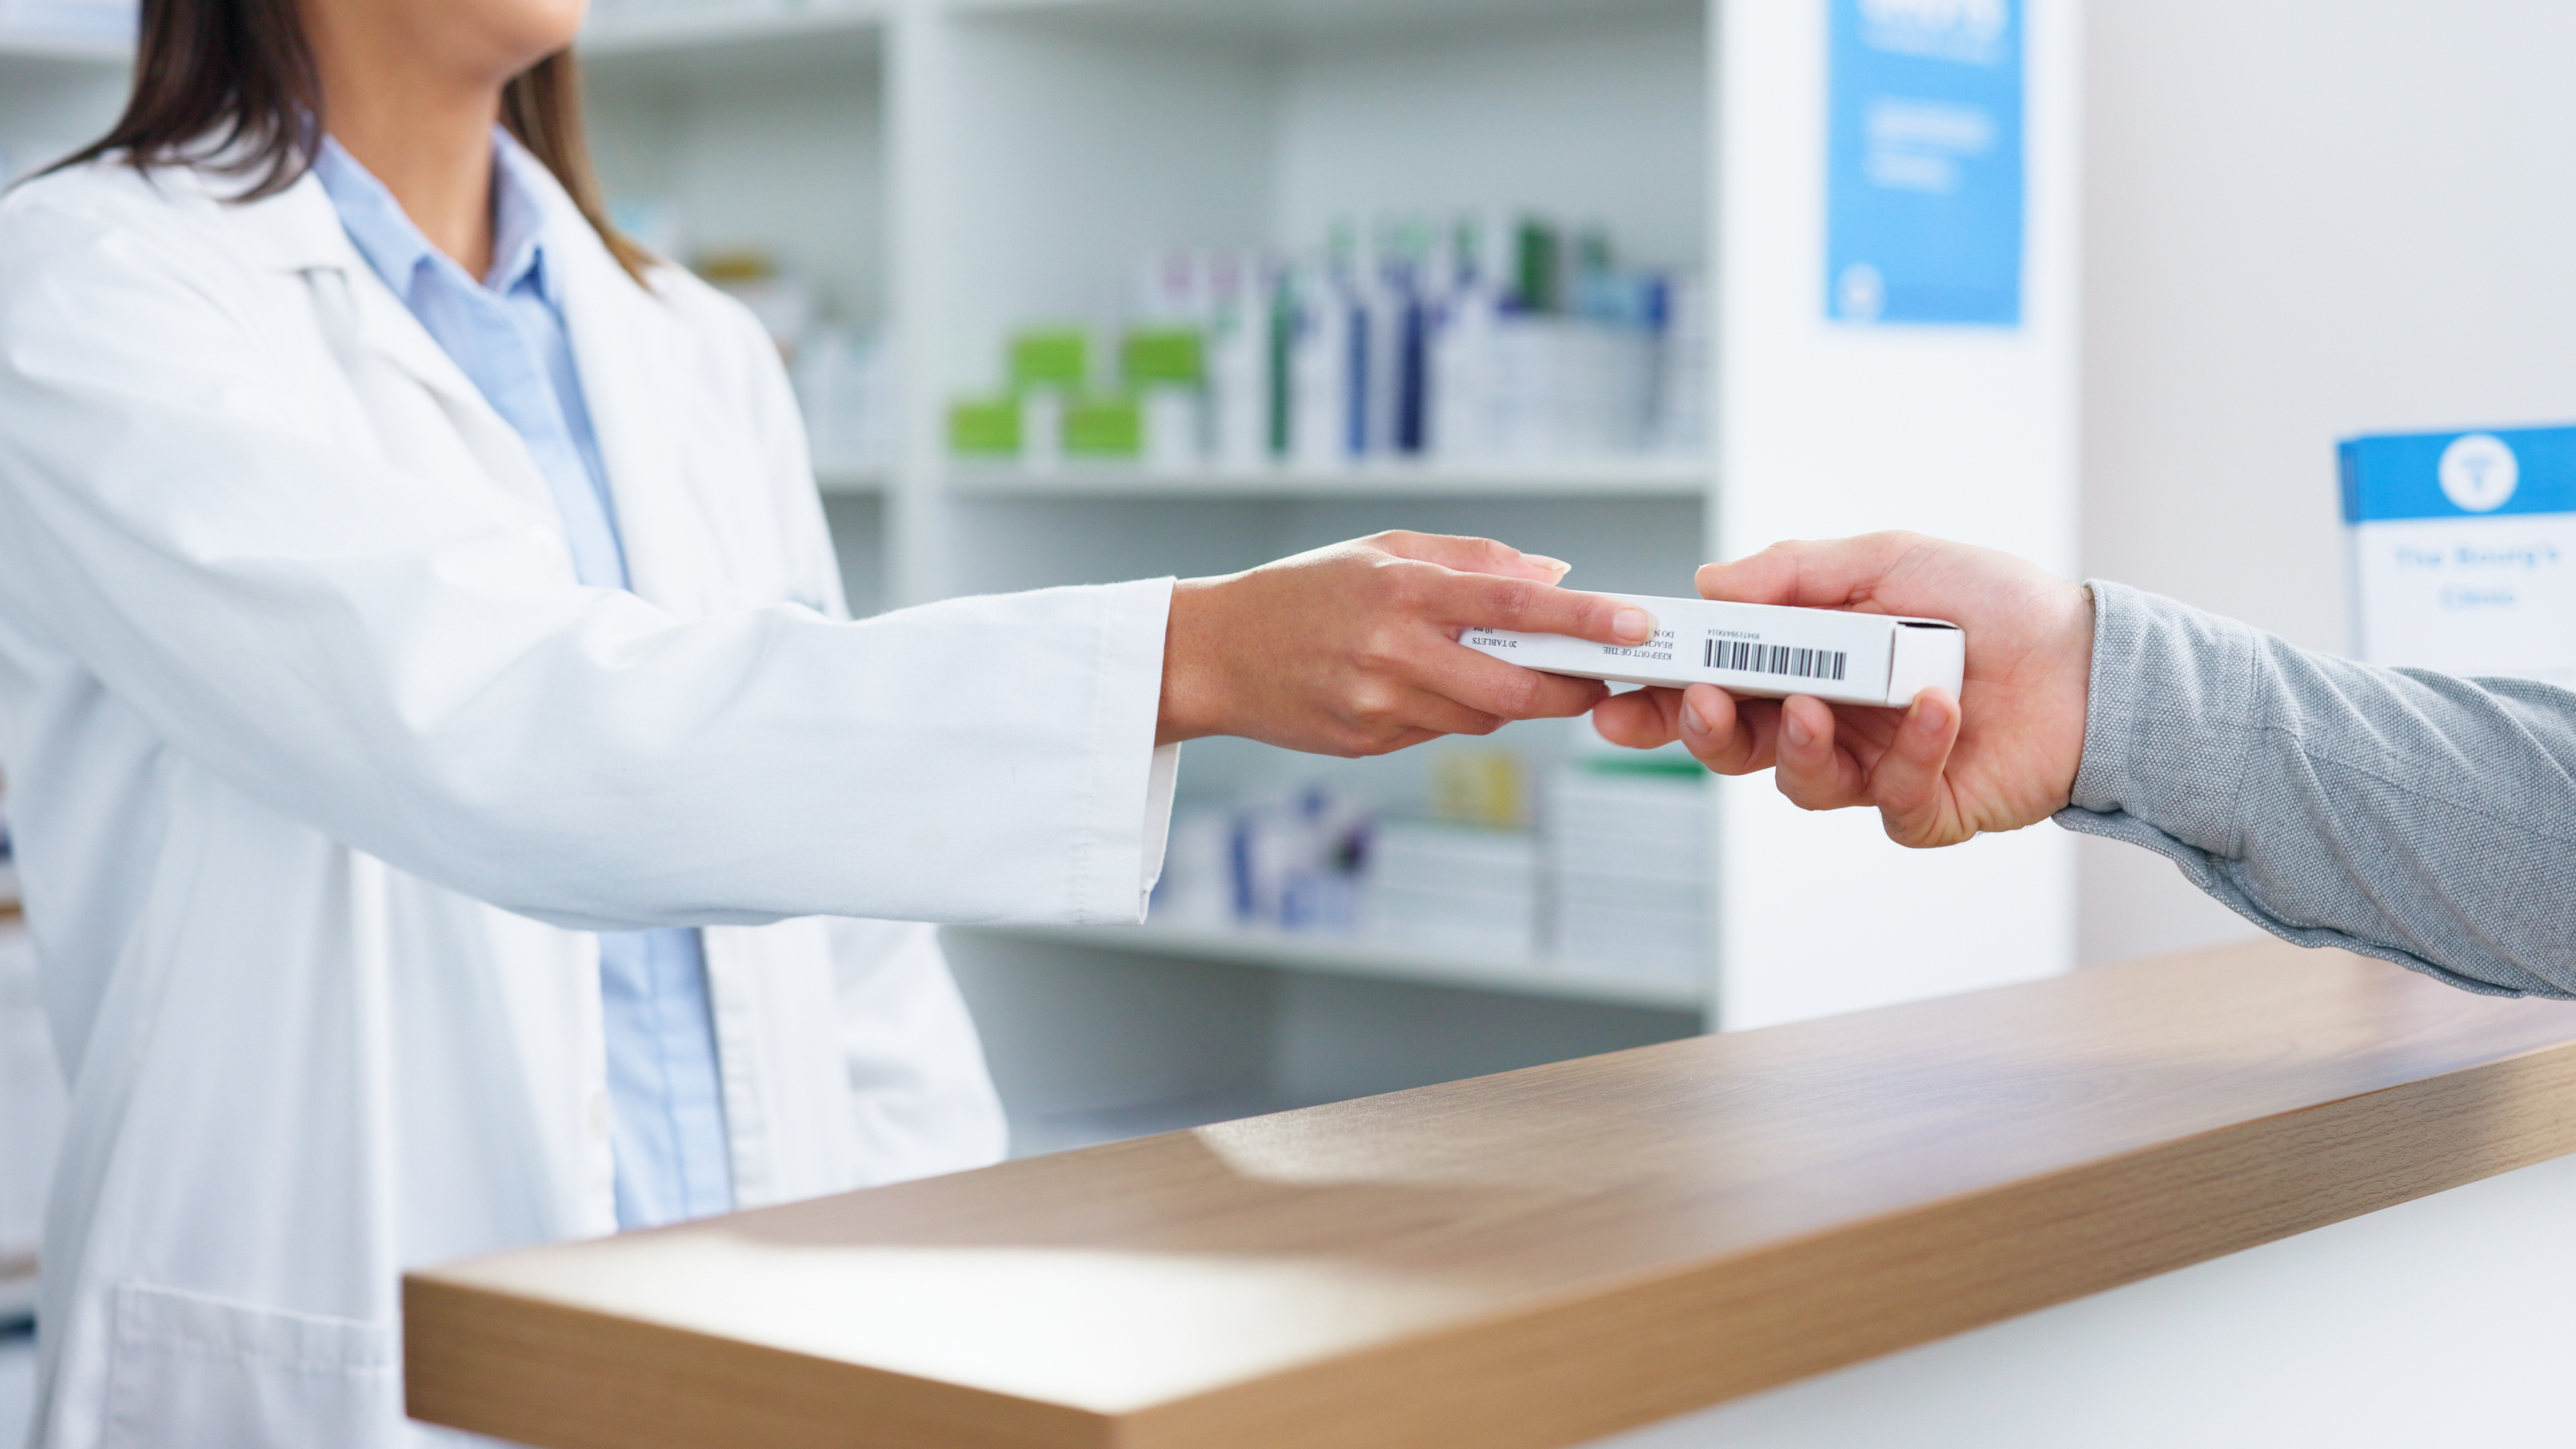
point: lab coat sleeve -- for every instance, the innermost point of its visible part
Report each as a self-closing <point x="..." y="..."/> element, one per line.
<point x="781" y="427"/>
<point x="402" y="661"/>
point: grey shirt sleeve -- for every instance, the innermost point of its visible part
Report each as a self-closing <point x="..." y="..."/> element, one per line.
<point x="2413" y="816"/>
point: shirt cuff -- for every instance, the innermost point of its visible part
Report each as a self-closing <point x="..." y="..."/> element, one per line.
<point x="1129" y="801"/>
<point x="1160" y="778"/>
<point x="2169" y="716"/>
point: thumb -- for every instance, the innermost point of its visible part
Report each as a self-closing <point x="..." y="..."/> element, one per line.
<point x="1830" y="574"/>
<point x="1906" y="780"/>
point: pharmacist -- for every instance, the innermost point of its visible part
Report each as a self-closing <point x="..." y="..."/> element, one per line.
<point x="2404" y="814"/>
<point x="453" y="811"/>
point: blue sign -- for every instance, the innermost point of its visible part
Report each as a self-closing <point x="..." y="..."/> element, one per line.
<point x="1924" y="205"/>
<point x="2459" y="475"/>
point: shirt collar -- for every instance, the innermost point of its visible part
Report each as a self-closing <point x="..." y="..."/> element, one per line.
<point x="396" y="249"/>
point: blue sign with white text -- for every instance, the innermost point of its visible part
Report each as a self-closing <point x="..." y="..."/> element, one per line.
<point x="1924" y="201"/>
<point x="2458" y="475"/>
<point x="2464" y="551"/>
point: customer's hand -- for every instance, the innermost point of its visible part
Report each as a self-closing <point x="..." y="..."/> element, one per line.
<point x="2001" y="756"/>
<point x="1353" y="649"/>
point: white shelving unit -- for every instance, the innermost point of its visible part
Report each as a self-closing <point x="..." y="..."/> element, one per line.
<point x="1371" y="960"/>
<point x="1629" y="477"/>
<point x="57" y="93"/>
<point x="949" y="170"/>
<point x="737" y="34"/>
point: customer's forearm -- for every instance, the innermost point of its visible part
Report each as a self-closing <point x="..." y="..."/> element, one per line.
<point x="2417" y="817"/>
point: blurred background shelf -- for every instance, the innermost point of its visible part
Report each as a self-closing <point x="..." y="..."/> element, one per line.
<point x="80" y="50"/>
<point x="1603" y="478"/>
<point x="1349" y="956"/>
<point x="17" y="1292"/>
<point x="626" y="29"/>
<point x="852" y="480"/>
<point x="1302" y="18"/>
<point x="685" y="40"/>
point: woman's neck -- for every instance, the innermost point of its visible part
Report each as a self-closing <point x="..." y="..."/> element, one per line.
<point x="425" y="132"/>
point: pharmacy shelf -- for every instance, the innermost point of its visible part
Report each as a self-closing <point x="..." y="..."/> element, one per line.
<point x="17" y="1291"/>
<point x="852" y="480"/>
<point x="1300" y="17"/>
<point x="1344" y="956"/>
<point x="1649" y="477"/>
<point x="756" y="31"/>
<point x="64" y="49"/>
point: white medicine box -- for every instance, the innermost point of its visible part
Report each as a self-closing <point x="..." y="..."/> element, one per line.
<point x="2464" y="551"/>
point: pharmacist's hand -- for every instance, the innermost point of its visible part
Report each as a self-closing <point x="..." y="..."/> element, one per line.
<point x="2001" y="756"/>
<point x="1353" y="649"/>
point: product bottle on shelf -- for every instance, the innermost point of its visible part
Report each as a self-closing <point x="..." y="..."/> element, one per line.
<point x="1239" y="360"/>
<point x="1459" y="351"/>
<point x="1681" y="381"/>
<point x="1367" y="398"/>
<point x="1049" y="368"/>
<point x="1320" y="337"/>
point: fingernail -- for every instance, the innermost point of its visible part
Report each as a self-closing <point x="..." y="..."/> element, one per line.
<point x="1794" y="729"/>
<point x="1636" y="626"/>
<point x="1692" y="723"/>
<point x="1543" y="561"/>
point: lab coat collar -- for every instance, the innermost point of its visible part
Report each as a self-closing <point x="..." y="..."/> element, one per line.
<point x="624" y="341"/>
<point x="628" y="347"/>
<point x="299" y="231"/>
<point x="296" y="230"/>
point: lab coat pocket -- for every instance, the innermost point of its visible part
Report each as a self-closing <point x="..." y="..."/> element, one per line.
<point x="188" y="1369"/>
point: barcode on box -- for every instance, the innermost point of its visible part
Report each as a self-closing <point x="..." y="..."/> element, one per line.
<point x="1753" y="658"/>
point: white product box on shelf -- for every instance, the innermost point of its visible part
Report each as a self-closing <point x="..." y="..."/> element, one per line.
<point x="1757" y="649"/>
<point x="1638" y="823"/>
<point x="1599" y="933"/>
<point x="1628" y="871"/>
<point x="1464" y="889"/>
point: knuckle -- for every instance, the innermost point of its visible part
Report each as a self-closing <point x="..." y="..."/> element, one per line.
<point x="1383" y="649"/>
<point x="1405" y="585"/>
<point x="1513" y="602"/>
<point x="1371" y="707"/>
<point x="1522" y="694"/>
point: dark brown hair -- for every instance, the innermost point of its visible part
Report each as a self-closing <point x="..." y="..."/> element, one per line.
<point x="232" y="82"/>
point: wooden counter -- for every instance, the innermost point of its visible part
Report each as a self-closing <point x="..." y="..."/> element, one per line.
<point x="1532" y="1259"/>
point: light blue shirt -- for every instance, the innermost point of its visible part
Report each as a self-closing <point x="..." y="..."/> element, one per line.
<point x="507" y="334"/>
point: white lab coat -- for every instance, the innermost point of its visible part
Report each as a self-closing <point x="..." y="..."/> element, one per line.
<point x="322" y="766"/>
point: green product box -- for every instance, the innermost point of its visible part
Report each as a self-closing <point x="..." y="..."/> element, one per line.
<point x="985" y="427"/>
<point x="1104" y="428"/>
<point x="1163" y="355"/>
<point x="1051" y="357"/>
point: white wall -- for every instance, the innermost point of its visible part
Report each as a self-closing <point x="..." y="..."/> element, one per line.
<point x="1826" y="429"/>
<point x="2304" y="218"/>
